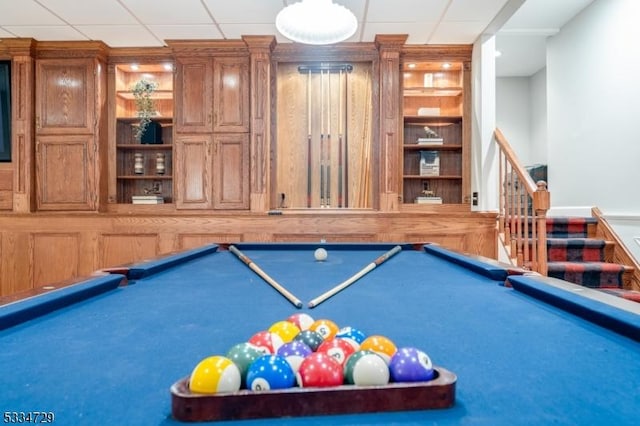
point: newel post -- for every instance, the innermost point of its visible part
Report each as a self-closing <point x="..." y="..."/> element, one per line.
<point x="541" y="204"/>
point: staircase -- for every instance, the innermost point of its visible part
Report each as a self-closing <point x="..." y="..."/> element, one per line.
<point x="576" y="255"/>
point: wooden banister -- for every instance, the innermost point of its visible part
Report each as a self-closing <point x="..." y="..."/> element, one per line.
<point x="523" y="210"/>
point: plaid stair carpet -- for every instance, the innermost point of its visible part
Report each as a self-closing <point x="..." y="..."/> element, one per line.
<point x="575" y="257"/>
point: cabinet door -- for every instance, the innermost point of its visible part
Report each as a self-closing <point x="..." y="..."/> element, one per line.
<point x="193" y="94"/>
<point x="66" y="172"/>
<point x="65" y="96"/>
<point x="192" y="171"/>
<point x="231" y="95"/>
<point x="231" y="178"/>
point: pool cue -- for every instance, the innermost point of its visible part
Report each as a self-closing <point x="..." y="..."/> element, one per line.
<point x="370" y="267"/>
<point x="255" y="268"/>
<point x="328" y="165"/>
<point x="340" y="139"/>
<point x="321" y="138"/>
<point x="309" y="139"/>
<point x="346" y="140"/>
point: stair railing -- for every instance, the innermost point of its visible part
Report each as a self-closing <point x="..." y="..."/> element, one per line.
<point x="522" y="220"/>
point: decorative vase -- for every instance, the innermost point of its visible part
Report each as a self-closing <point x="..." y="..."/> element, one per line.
<point x="138" y="164"/>
<point x="160" y="167"/>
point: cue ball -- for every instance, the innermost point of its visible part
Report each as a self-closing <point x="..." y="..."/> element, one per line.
<point x="320" y="255"/>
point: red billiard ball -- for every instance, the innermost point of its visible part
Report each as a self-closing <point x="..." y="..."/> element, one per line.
<point x="338" y="348"/>
<point x="319" y="370"/>
<point x="411" y="365"/>
<point x="266" y="341"/>
<point x="301" y="320"/>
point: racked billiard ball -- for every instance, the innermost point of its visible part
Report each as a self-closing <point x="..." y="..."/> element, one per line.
<point x="266" y="341"/>
<point x="381" y="345"/>
<point x="319" y="370"/>
<point x="270" y="372"/>
<point x="311" y="338"/>
<point x="366" y="368"/>
<point x="325" y="327"/>
<point x="411" y="365"/>
<point x="301" y="320"/>
<point x="294" y="352"/>
<point x="352" y="335"/>
<point x="338" y="348"/>
<point x="242" y="355"/>
<point x="215" y="374"/>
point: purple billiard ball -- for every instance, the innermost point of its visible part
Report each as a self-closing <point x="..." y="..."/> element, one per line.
<point x="294" y="352"/>
<point x="410" y="364"/>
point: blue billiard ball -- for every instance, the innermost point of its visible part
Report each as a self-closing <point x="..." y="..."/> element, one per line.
<point x="352" y="335"/>
<point x="270" y="372"/>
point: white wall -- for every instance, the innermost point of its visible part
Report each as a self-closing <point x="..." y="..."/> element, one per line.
<point x="513" y="114"/>
<point x="593" y="92"/>
<point x="538" y="117"/>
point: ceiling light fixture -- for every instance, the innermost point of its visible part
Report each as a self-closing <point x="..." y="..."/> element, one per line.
<point x="316" y="22"/>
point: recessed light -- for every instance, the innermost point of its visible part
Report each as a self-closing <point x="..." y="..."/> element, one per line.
<point x="135" y="67"/>
<point x="446" y="65"/>
<point x="411" y="65"/>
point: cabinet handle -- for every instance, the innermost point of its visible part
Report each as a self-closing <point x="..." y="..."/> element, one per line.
<point x="209" y="118"/>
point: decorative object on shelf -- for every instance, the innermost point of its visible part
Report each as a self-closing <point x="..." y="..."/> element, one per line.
<point x="145" y="107"/>
<point x="430" y="137"/>
<point x="138" y="163"/>
<point x="429" y="163"/>
<point x="160" y="167"/>
<point x="316" y="22"/>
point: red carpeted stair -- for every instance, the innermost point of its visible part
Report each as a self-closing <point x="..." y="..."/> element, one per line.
<point x="575" y="256"/>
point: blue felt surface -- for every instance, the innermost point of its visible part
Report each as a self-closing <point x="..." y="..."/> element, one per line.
<point x="111" y="359"/>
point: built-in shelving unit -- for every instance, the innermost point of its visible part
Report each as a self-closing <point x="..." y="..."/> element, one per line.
<point x="144" y="169"/>
<point x="433" y="120"/>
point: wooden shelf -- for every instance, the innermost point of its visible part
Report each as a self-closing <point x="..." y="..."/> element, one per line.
<point x="446" y="147"/>
<point x="157" y="94"/>
<point x="432" y="177"/>
<point x="439" y="120"/>
<point x="145" y="146"/>
<point x="432" y="91"/>
<point x="145" y="177"/>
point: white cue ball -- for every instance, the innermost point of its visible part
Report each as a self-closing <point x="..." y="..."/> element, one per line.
<point x="320" y="254"/>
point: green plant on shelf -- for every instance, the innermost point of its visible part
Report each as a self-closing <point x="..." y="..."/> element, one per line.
<point x="145" y="106"/>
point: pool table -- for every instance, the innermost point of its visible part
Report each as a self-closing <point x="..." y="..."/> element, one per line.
<point x="107" y="350"/>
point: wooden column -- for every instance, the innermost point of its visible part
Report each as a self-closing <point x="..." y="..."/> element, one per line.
<point x="389" y="47"/>
<point x="22" y="112"/>
<point x="260" y="48"/>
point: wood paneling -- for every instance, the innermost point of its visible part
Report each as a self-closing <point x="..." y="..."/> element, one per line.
<point x="55" y="257"/>
<point x="66" y="172"/>
<point x="92" y="242"/>
<point x="192" y="168"/>
<point x="231" y="165"/>
<point x="231" y="94"/>
<point x="119" y="249"/>
<point x="193" y="95"/>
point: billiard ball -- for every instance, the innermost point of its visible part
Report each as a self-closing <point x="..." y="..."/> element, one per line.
<point x="266" y="341"/>
<point x="215" y="374"/>
<point x="301" y="320"/>
<point x="242" y="355"/>
<point x="366" y="368"/>
<point x="411" y="365"/>
<point x="352" y="335"/>
<point x="337" y="348"/>
<point x="381" y="345"/>
<point x="326" y="328"/>
<point x="319" y="370"/>
<point x="294" y="352"/>
<point x="310" y="338"/>
<point x="270" y="372"/>
<point x="320" y="255"/>
<point x="285" y="329"/>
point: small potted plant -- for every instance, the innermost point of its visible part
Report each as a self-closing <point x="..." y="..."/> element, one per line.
<point x="142" y="92"/>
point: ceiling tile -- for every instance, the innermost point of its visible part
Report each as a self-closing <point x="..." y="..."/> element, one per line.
<point x="457" y="32"/>
<point x="473" y="10"/>
<point x="355" y="6"/>
<point x="185" y="32"/>
<point x="418" y="33"/>
<point x="90" y="12"/>
<point x="121" y="35"/>
<point x="405" y="10"/>
<point x="236" y="31"/>
<point x="244" y="11"/>
<point x="48" y="33"/>
<point x="534" y="14"/>
<point x="28" y="13"/>
<point x="165" y="12"/>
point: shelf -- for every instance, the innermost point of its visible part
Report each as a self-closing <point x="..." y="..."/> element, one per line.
<point x="446" y="147"/>
<point x="439" y="120"/>
<point x="157" y="94"/>
<point x="443" y="177"/>
<point x="432" y="91"/>
<point x="146" y="146"/>
<point x="145" y="177"/>
<point x="163" y="120"/>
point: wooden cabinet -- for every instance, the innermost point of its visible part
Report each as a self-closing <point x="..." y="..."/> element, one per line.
<point x="212" y="133"/>
<point x="144" y="167"/>
<point x="434" y="149"/>
<point x="68" y="113"/>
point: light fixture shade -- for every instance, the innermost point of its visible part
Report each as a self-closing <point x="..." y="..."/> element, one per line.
<point x="316" y="22"/>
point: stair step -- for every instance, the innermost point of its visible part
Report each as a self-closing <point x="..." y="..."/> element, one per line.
<point x="576" y="250"/>
<point x="570" y="227"/>
<point x="589" y="274"/>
